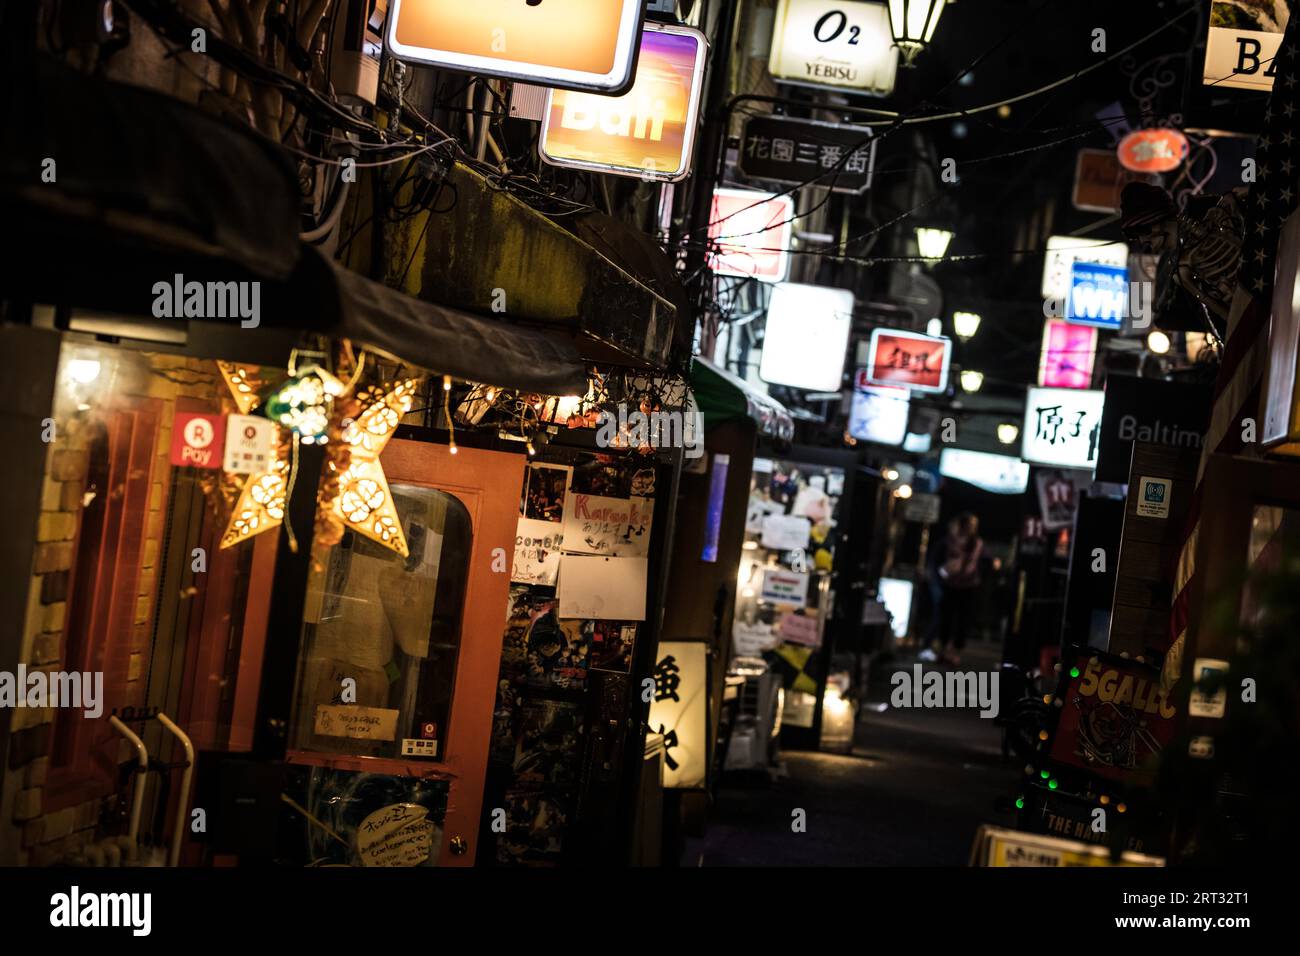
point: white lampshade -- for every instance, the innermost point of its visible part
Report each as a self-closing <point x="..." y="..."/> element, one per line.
<point x="971" y="380"/>
<point x="966" y="324"/>
<point x="912" y="23"/>
<point x="933" y="243"/>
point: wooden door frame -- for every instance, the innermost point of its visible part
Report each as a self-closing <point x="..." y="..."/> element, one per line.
<point x="487" y="483"/>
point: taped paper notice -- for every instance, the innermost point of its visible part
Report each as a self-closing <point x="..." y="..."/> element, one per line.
<point x="593" y="586"/>
<point x="785" y="532"/>
<point x="594" y="524"/>
<point x="800" y="629"/>
<point x="636" y="540"/>
<point x="537" y="552"/>
<point x="397" y="835"/>
<point x="785" y="587"/>
<point x="358" y="723"/>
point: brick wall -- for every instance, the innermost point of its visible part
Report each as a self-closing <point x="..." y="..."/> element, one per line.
<point x="49" y="836"/>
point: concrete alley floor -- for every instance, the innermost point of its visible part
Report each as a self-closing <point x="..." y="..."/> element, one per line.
<point x="913" y="791"/>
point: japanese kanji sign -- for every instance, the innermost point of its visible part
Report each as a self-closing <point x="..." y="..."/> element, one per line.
<point x="1062" y="427"/>
<point x="793" y="151"/>
<point x="909" y="359"/>
<point x="679" y="710"/>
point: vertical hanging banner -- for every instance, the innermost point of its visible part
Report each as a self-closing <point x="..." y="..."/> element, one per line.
<point x="1243" y="42"/>
<point x="647" y="132"/>
<point x="750" y="234"/>
<point x="680" y="711"/>
<point x="569" y="44"/>
<point x="835" y="43"/>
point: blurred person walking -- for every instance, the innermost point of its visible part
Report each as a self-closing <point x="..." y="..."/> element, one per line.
<point x="959" y="575"/>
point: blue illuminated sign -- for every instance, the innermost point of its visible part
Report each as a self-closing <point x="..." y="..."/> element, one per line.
<point x="1098" y="294"/>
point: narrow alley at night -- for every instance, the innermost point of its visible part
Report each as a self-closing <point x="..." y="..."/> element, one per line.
<point x="685" y="440"/>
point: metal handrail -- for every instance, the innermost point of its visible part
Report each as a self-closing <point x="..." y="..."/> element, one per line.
<point x="174" y="852"/>
<point x="142" y="761"/>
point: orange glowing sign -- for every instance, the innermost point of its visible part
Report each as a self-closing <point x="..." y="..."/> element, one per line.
<point x="1153" y="150"/>
<point x="575" y="44"/>
<point x="649" y="131"/>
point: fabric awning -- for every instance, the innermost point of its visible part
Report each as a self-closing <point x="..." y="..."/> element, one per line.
<point x="345" y="304"/>
<point x="147" y="188"/>
<point x="723" y="396"/>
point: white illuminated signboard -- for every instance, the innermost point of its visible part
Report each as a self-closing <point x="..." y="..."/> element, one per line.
<point x="574" y="44"/>
<point x="1000" y="474"/>
<point x="750" y="234"/>
<point x="1242" y="46"/>
<point x="1062" y="427"/>
<point x="896" y="595"/>
<point x="807" y="336"/>
<point x="1064" y="251"/>
<point x="878" y="412"/>
<point x="836" y="43"/>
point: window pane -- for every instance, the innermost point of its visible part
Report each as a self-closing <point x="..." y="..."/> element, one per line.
<point x="382" y="634"/>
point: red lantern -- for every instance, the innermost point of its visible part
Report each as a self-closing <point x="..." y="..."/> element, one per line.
<point x="1153" y="150"/>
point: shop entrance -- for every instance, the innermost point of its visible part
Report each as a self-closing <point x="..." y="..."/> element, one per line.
<point x="398" y="665"/>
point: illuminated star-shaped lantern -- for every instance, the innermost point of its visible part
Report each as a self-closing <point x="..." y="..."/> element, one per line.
<point x="244" y="382"/>
<point x="261" y="505"/>
<point x="364" y="502"/>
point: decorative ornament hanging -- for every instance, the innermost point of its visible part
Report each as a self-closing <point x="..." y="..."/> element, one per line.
<point x="359" y="496"/>
<point x="244" y="382"/>
<point x="302" y="404"/>
<point x="261" y="504"/>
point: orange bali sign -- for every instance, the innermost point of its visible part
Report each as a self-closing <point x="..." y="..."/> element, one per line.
<point x="1153" y="150"/>
<point x="750" y="234"/>
<point x="649" y="131"/>
<point x="575" y="44"/>
<point x="909" y="359"/>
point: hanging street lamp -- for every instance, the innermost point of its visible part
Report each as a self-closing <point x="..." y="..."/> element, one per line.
<point x="965" y="324"/>
<point x="912" y="24"/>
<point x="933" y="243"/>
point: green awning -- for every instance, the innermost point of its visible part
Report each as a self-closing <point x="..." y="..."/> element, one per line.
<point x="722" y="396"/>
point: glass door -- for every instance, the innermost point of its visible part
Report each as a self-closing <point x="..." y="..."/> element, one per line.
<point x="397" y="667"/>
